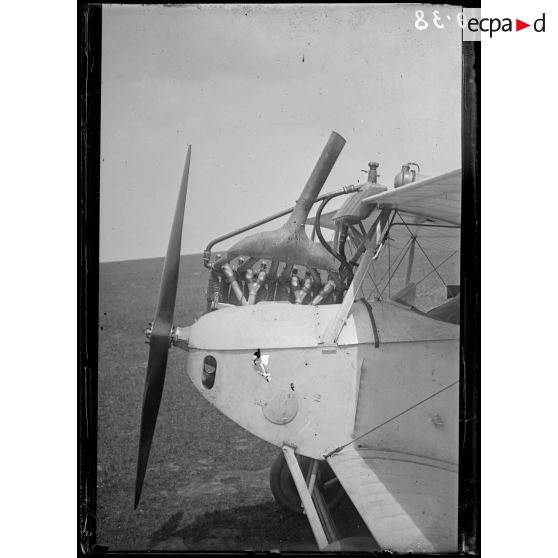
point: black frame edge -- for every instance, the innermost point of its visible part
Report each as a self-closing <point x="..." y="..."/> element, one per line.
<point x="469" y="423"/>
<point x="89" y="141"/>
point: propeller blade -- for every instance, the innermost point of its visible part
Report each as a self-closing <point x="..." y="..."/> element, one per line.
<point x="161" y="335"/>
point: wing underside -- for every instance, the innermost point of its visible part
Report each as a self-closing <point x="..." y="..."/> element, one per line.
<point x="409" y="503"/>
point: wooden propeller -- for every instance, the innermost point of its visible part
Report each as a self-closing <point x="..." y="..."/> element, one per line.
<point x="160" y="335"/>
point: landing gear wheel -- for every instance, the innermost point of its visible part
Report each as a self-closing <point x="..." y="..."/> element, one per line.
<point x="284" y="489"/>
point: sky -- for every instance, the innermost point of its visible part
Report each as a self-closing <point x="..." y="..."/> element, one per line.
<point x="257" y="90"/>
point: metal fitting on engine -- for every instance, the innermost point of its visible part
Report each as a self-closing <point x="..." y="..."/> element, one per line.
<point x="255" y="286"/>
<point x="249" y="275"/>
<point x="283" y="282"/>
<point x="272" y="280"/>
<point x="316" y="279"/>
<point x="294" y="284"/>
<point x="213" y="291"/>
<point x="230" y="276"/>
<point x="206" y="258"/>
<point x="372" y="172"/>
<point x="302" y="293"/>
<point x="325" y="291"/>
<point x="295" y="279"/>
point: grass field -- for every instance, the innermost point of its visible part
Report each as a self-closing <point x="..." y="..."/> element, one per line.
<point x="207" y="482"/>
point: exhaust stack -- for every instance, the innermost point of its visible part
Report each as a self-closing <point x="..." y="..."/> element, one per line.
<point x="290" y="242"/>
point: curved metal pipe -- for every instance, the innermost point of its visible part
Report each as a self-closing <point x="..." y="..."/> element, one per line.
<point x="290" y="243"/>
<point x="255" y="224"/>
<point x="340" y="257"/>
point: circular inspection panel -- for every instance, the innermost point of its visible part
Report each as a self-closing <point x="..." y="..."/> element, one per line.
<point x="281" y="408"/>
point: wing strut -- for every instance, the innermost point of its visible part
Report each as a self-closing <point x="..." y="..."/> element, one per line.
<point x="311" y="512"/>
<point x="313" y="502"/>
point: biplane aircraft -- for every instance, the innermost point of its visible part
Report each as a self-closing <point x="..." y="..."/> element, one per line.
<point x="341" y="352"/>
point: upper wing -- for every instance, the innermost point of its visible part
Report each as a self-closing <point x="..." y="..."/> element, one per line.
<point x="436" y="197"/>
<point x="408" y="503"/>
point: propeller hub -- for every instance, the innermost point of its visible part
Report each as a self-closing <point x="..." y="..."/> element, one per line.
<point x="149" y="331"/>
<point x="180" y="337"/>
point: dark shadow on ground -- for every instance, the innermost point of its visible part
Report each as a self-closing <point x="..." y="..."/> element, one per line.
<point x="167" y="529"/>
<point x="259" y="527"/>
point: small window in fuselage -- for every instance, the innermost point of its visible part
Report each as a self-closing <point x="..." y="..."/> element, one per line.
<point x="209" y="371"/>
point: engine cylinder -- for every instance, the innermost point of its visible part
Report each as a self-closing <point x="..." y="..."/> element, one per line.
<point x="212" y="293"/>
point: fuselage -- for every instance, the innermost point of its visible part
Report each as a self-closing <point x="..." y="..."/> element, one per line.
<point x="317" y="396"/>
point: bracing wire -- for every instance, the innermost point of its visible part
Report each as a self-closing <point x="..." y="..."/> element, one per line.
<point x="422" y="250"/>
<point x="437" y="267"/>
<point x="402" y="254"/>
<point x="406" y="248"/>
<point x="340" y="448"/>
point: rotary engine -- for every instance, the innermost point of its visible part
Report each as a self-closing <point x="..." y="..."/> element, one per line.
<point x="286" y="265"/>
<point x="249" y="281"/>
<point x="281" y="265"/>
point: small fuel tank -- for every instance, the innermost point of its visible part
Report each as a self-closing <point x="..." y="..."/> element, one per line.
<point x="352" y="210"/>
<point x="406" y="175"/>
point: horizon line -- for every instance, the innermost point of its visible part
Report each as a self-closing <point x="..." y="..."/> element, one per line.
<point x="147" y="258"/>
